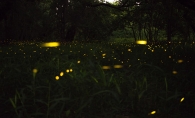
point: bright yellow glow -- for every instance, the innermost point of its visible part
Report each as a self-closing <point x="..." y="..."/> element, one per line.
<point x="118" y="66"/>
<point x="78" y="62"/>
<point x="105" y="67"/>
<point x="103" y="54"/>
<point x="174" y="72"/>
<point x="153" y="112"/>
<point x="35" y="71"/>
<point x="180" y="61"/>
<point x="142" y="42"/>
<point x="71" y="70"/>
<point x="67" y="70"/>
<point x="169" y="56"/>
<point x="62" y="73"/>
<point x="50" y="44"/>
<point x="57" y="77"/>
<point x="182" y="99"/>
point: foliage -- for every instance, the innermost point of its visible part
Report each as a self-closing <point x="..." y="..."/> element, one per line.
<point x="66" y="21"/>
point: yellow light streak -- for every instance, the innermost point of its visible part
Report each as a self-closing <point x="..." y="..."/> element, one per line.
<point x="174" y="72"/>
<point x="182" y="99"/>
<point x="118" y="66"/>
<point x="106" y="67"/>
<point x="103" y="54"/>
<point x="50" y="44"/>
<point x="180" y="61"/>
<point x="151" y="113"/>
<point x="62" y="73"/>
<point x="141" y="42"/>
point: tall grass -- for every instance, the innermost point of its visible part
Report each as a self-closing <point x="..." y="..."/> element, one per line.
<point x="71" y="81"/>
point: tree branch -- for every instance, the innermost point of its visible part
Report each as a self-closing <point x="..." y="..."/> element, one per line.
<point x="119" y="7"/>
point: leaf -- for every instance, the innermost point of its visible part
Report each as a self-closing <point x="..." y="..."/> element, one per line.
<point x="12" y="102"/>
<point x="104" y="91"/>
<point x="43" y="102"/>
<point x="56" y="101"/>
<point x="67" y="113"/>
<point x="172" y="97"/>
<point x="118" y="88"/>
<point x="140" y="94"/>
<point x="94" y="79"/>
<point x="60" y="99"/>
<point x="85" y="104"/>
<point x="42" y="87"/>
<point x="18" y="70"/>
<point x="115" y="96"/>
<point x="110" y="80"/>
<point x="102" y="75"/>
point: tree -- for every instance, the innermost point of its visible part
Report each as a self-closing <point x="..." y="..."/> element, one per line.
<point x="25" y="20"/>
<point x="78" y="19"/>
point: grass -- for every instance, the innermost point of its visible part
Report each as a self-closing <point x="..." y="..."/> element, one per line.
<point x="97" y="80"/>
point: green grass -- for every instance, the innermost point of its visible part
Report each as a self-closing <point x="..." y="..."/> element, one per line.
<point x="145" y="82"/>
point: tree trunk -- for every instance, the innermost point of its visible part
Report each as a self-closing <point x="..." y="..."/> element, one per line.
<point x="168" y="30"/>
<point x="167" y="5"/>
<point x="63" y="18"/>
<point x="70" y="34"/>
<point x="134" y="33"/>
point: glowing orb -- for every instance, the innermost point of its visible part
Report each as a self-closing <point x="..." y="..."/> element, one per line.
<point x="141" y="42"/>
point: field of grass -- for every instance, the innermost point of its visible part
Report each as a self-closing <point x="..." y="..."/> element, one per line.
<point x="97" y="80"/>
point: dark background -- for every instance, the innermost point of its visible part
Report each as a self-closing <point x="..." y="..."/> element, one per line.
<point x="69" y="20"/>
